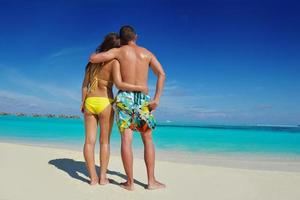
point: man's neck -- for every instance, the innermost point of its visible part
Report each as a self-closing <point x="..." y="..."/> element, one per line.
<point x="132" y="43"/>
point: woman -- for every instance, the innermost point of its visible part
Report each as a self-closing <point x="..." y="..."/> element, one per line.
<point x="97" y="99"/>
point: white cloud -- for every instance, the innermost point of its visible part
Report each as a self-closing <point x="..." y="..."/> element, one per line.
<point x="18" y="102"/>
<point x="35" y="96"/>
<point x="68" y="51"/>
<point x="262" y="107"/>
<point x="179" y="103"/>
<point x="13" y="76"/>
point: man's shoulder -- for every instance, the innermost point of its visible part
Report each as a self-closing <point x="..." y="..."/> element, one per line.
<point x="145" y="51"/>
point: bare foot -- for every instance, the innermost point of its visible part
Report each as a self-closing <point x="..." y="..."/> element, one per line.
<point x="103" y="181"/>
<point x="156" y="185"/>
<point x="94" y="181"/>
<point x="127" y="186"/>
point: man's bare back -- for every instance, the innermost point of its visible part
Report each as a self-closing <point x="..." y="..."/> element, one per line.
<point x="134" y="64"/>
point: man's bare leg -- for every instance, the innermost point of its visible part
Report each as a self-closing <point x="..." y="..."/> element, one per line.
<point x="127" y="158"/>
<point x="149" y="156"/>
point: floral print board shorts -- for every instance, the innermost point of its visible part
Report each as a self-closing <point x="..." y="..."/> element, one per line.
<point x="132" y="111"/>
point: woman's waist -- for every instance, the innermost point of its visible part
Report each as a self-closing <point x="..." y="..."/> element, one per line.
<point x="100" y="95"/>
<point x="98" y="98"/>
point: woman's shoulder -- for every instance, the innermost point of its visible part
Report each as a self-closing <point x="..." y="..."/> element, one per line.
<point x="108" y="66"/>
<point x="114" y="62"/>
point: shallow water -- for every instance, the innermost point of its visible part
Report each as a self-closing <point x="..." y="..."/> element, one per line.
<point x="194" y="139"/>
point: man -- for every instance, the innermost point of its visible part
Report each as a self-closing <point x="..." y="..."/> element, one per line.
<point x="133" y="108"/>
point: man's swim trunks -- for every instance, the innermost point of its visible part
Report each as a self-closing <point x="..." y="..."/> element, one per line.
<point x="132" y="111"/>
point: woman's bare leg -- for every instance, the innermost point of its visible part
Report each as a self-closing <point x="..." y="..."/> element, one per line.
<point x="90" y="122"/>
<point x="106" y="122"/>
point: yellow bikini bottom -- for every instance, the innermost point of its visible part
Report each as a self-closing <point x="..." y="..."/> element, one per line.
<point x="96" y="105"/>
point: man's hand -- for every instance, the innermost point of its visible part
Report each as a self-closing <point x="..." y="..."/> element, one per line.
<point x="153" y="105"/>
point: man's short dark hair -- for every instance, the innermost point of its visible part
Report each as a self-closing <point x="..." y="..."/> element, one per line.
<point x="127" y="34"/>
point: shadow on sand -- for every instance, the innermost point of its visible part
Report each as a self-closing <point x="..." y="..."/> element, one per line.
<point x="73" y="167"/>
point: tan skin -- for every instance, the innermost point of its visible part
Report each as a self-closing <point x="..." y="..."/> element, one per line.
<point x="110" y="73"/>
<point x="135" y="61"/>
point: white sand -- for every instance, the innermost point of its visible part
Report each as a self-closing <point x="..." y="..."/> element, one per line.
<point x="30" y="172"/>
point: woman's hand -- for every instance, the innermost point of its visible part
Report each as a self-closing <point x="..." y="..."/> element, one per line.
<point x="82" y="107"/>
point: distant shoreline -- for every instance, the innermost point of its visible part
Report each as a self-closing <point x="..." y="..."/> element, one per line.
<point x="21" y="114"/>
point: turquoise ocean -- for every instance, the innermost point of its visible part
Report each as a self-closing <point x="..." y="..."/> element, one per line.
<point x="215" y="139"/>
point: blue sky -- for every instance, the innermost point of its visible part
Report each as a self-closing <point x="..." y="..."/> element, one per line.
<point x="227" y="62"/>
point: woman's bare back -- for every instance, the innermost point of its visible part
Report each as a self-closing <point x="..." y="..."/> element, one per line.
<point x="100" y="79"/>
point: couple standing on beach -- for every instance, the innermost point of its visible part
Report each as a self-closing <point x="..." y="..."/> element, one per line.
<point x="120" y="61"/>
